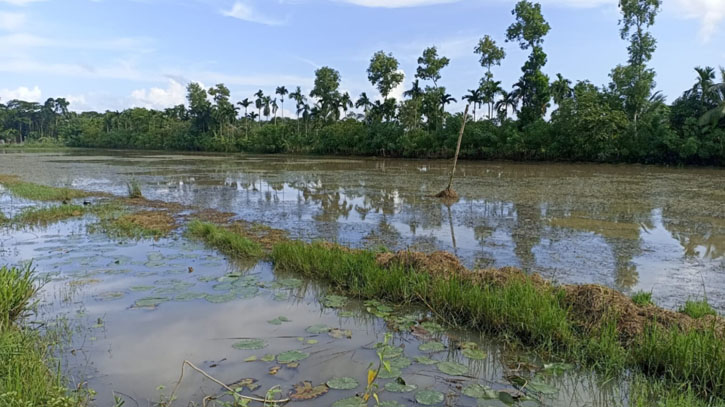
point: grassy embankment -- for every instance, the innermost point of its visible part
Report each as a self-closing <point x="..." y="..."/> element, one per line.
<point x="28" y="372"/>
<point x="682" y="357"/>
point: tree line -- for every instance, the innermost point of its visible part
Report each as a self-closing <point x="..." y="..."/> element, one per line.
<point x="541" y="118"/>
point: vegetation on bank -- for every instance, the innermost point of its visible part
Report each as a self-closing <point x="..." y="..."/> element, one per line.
<point x="541" y="118"/>
<point x="593" y="325"/>
<point x="28" y="372"/>
<point x="37" y="192"/>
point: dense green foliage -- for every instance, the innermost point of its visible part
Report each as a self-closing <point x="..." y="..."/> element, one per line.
<point x="625" y="120"/>
<point x="223" y="240"/>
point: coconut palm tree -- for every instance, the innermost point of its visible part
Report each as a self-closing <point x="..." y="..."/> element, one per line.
<point x="266" y="104"/>
<point x="446" y="99"/>
<point x="259" y="102"/>
<point x="507" y="101"/>
<point x="703" y="86"/>
<point x="415" y="90"/>
<point x="475" y="98"/>
<point x="364" y="102"/>
<point x="245" y="104"/>
<point x="282" y="92"/>
<point x="561" y="89"/>
<point x="713" y="116"/>
<point x="346" y="102"/>
<point x="275" y="107"/>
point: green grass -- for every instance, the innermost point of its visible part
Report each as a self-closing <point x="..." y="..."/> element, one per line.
<point x="697" y="309"/>
<point x="225" y="241"/>
<point x="3" y="219"/>
<point x="642" y="298"/>
<point x="38" y="192"/>
<point x="648" y="392"/>
<point x="134" y="189"/>
<point x="17" y="288"/>
<point x="521" y="312"/>
<point x="45" y="216"/>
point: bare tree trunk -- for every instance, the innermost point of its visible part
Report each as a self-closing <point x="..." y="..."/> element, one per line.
<point x="458" y="148"/>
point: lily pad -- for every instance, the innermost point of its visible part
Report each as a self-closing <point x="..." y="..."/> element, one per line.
<point x="292" y="356"/>
<point x="539" y="386"/>
<point x="429" y="397"/>
<point x="400" y="362"/>
<point x="110" y="296"/>
<point x="269" y="357"/>
<point x="318" y="329"/>
<point x="393" y="373"/>
<point x="397" y="387"/>
<point x="350" y="402"/>
<point x="290" y="282"/>
<point x="250" y="384"/>
<point x="432" y="347"/>
<point x="338" y="333"/>
<point x="558" y="368"/>
<point x="475" y="354"/>
<point x="453" y="368"/>
<point x="141" y="288"/>
<point x="424" y="360"/>
<point x="150" y="302"/>
<point x="189" y="296"/>
<point x="334" y="301"/>
<point x="479" y="391"/>
<point x="245" y="292"/>
<point x="279" y="321"/>
<point x="390" y="403"/>
<point x="250" y="344"/>
<point x="306" y="391"/>
<point x="432" y="327"/>
<point x="342" y="383"/>
<point x="221" y="298"/>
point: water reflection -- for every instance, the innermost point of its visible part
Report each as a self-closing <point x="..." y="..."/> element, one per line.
<point x="629" y="227"/>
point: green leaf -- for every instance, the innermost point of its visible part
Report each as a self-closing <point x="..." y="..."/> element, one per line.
<point x="396" y="387"/>
<point x="558" y="368"/>
<point x="474" y="354"/>
<point x="318" y="329"/>
<point x="278" y="321"/>
<point x="478" y="391"/>
<point x="390" y="403"/>
<point x="150" y="302"/>
<point x="429" y="397"/>
<point x="292" y="356"/>
<point x="269" y="357"/>
<point x="424" y="360"/>
<point x="334" y="301"/>
<point x="350" y="402"/>
<point x="453" y="368"/>
<point x="432" y="347"/>
<point x="250" y="344"/>
<point x="432" y="327"/>
<point x="400" y="362"/>
<point x="390" y="374"/>
<point x="343" y="383"/>
<point x="506" y="398"/>
<point x="542" y="387"/>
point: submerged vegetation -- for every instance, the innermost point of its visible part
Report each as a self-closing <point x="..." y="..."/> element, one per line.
<point x="28" y="375"/>
<point x="39" y="192"/>
<point x="540" y="118"/>
<point x="134" y="189"/>
<point x="44" y="216"/>
<point x="137" y="225"/>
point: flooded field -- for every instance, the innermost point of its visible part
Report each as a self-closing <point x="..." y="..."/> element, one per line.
<point x="139" y="308"/>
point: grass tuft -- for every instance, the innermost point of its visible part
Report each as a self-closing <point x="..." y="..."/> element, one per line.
<point x="642" y="298"/>
<point x="45" y="216"/>
<point x="38" y="192"/>
<point x="698" y="309"/>
<point x="223" y="240"/>
<point x="17" y="288"/>
<point x="134" y="189"/>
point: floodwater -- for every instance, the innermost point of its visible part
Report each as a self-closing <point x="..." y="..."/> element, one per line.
<point x="138" y="312"/>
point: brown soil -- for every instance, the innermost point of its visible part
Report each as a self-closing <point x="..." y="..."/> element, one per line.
<point x="213" y="216"/>
<point x="448" y="193"/>
<point x="437" y="263"/>
<point x="151" y="220"/>
<point x="264" y="235"/>
<point x="151" y="204"/>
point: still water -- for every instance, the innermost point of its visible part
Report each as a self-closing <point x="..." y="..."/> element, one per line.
<point x="139" y="313"/>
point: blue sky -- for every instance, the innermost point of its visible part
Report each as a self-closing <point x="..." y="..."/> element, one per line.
<point x="113" y="54"/>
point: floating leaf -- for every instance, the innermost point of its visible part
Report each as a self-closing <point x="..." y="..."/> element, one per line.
<point x="474" y="354"/>
<point x="252" y="358"/>
<point x="424" y="360"/>
<point x="312" y="341"/>
<point x="110" y="296"/>
<point x="390" y="403"/>
<point x="150" y="302"/>
<point x="292" y="356"/>
<point x="334" y="301"/>
<point x="338" y="333"/>
<point x="432" y="347"/>
<point x="558" y="368"/>
<point x="506" y="398"/>
<point x="305" y="391"/>
<point x="400" y="362"/>
<point x="539" y="386"/>
<point x="453" y="368"/>
<point x="274" y="370"/>
<point x="342" y="383"/>
<point x="250" y="384"/>
<point x="278" y="321"/>
<point x="479" y="391"/>
<point x="245" y="292"/>
<point x="432" y="327"/>
<point x="250" y="344"/>
<point x="290" y="282"/>
<point x="269" y="357"/>
<point x="221" y="298"/>
<point x="429" y="397"/>
<point x="346" y="314"/>
<point x="393" y="373"/>
<point x="389" y="351"/>
<point x="396" y="387"/>
<point x="189" y="296"/>
<point x="318" y="329"/>
<point x="293" y="365"/>
<point x="350" y="402"/>
<point x="140" y="288"/>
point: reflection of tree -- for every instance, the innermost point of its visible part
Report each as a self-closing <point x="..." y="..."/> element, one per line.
<point x="699" y="239"/>
<point x="526" y="234"/>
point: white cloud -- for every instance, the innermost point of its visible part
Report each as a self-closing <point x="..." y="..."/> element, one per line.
<point x="398" y="3"/>
<point x="22" y="93"/>
<point x="19" y="2"/>
<point x="579" y="3"/>
<point x="710" y="12"/>
<point x="157" y="98"/>
<point x="397" y="93"/>
<point x="245" y="12"/>
<point x="11" y="21"/>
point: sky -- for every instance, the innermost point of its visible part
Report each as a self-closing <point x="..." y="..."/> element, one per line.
<point x="115" y="54"/>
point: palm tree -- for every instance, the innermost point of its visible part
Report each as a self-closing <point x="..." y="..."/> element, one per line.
<point x="259" y="102"/>
<point x="415" y="91"/>
<point x="507" y="101"/>
<point x="245" y="104"/>
<point x="475" y="98"/>
<point x="364" y="102"/>
<point x="561" y="89"/>
<point x="446" y="99"/>
<point x="713" y="116"/>
<point x="266" y="102"/>
<point x="346" y="102"/>
<point x="275" y="107"/>
<point x="490" y="89"/>
<point x="282" y="92"/>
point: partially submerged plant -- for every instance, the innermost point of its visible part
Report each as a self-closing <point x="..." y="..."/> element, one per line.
<point x="134" y="189"/>
<point x="17" y="288"/>
<point x="642" y="298"/>
<point x="698" y="309"/>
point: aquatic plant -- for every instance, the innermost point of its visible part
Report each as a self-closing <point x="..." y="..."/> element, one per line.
<point x="38" y="192"/>
<point x="698" y="309"/>
<point x="17" y="288"/>
<point x="223" y="240"/>
<point x="134" y="189"/>
<point x="642" y="298"/>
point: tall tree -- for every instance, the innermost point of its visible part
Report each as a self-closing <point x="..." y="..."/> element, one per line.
<point x="633" y="84"/>
<point x="245" y="104"/>
<point x="529" y="30"/>
<point x="561" y="89"/>
<point x="474" y="98"/>
<point x="199" y="107"/>
<point x="326" y="90"/>
<point x="490" y="54"/>
<point x="259" y="103"/>
<point x="384" y="73"/>
<point x="282" y="92"/>
<point x="430" y="66"/>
